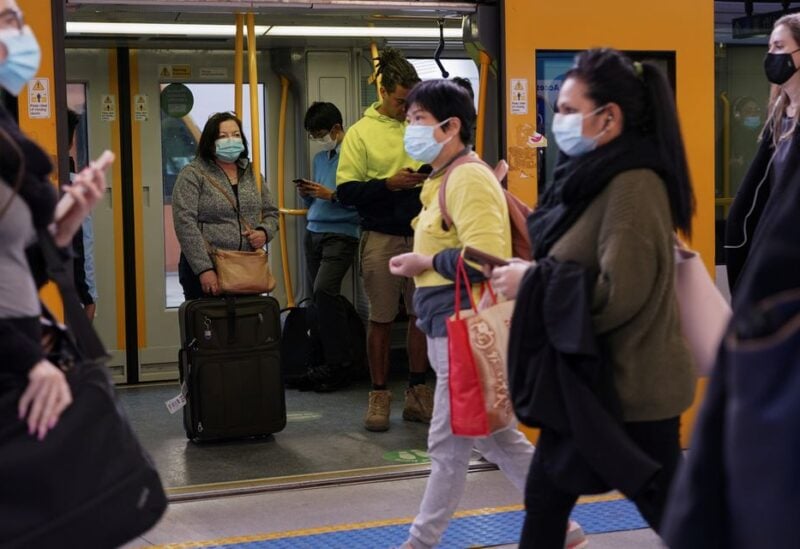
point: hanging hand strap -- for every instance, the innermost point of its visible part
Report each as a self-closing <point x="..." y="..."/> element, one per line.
<point x="56" y="266"/>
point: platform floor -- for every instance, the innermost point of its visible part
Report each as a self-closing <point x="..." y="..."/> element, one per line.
<point x="377" y="515"/>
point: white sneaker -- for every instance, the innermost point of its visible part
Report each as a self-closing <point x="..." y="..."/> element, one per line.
<point x="576" y="538"/>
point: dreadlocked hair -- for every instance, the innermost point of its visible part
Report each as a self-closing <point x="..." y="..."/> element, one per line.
<point x="395" y="70"/>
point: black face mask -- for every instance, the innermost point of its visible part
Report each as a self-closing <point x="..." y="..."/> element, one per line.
<point x="779" y="67"/>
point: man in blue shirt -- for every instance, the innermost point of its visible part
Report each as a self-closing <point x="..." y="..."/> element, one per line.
<point x="331" y="242"/>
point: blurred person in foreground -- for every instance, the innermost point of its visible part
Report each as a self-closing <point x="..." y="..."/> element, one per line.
<point x="621" y="190"/>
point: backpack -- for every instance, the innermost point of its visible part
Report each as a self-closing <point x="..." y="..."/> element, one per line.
<point x="299" y="351"/>
<point x="518" y="211"/>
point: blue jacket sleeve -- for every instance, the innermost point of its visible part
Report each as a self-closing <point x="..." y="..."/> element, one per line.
<point x="446" y="262"/>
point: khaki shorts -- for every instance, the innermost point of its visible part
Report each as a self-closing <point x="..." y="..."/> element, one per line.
<point x="383" y="289"/>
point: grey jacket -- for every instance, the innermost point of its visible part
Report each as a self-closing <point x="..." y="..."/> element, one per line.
<point x="202" y="214"/>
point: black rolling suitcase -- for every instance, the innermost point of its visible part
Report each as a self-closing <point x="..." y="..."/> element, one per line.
<point x="230" y="363"/>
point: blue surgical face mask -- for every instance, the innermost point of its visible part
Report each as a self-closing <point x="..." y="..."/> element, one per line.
<point x="22" y="60"/>
<point x="228" y="149"/>
<point x="752" y="122"/>
<point x="568" y="133"/>
<point x="421" y="144"/>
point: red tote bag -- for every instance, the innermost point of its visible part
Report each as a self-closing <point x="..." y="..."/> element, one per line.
<point x="478" y="351"/>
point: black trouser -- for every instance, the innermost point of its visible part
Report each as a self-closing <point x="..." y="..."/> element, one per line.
<point x="328" y="256"/>
<point x="189" y="281"/>
<point x="547" y="508"/>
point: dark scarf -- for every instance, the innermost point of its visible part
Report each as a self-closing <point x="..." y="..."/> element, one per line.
<point x="577" y="182"/>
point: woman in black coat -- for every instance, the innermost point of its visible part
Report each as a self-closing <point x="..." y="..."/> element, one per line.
<point x="762" y="236"/>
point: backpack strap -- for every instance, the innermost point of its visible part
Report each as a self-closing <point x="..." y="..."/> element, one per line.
<point x="447" y="221"/>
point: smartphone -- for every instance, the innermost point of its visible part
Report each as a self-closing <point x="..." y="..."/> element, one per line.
<point x="66" y="202"/>
<point x="300" y="181"/>
<point x="425" y="169"/>
<point x="478" y="256"/>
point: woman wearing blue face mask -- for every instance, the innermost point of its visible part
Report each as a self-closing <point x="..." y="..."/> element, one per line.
<point x="441" y="115"/>
<point x="621" y="190"/>
<point x="203" y="205"/>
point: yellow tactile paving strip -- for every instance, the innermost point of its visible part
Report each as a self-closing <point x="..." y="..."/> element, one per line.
<point x="612" y="496"/>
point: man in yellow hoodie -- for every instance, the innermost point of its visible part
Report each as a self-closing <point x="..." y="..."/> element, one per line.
<point x="377" y="177"/>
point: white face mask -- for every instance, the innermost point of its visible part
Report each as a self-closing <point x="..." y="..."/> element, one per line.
<point x="568" y="133"/>
<point x="327" y="142"/>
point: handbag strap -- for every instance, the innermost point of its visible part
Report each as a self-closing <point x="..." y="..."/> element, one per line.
<point x="56" y="267"/>
<point x="461" y="274"/>
<point x="227" y="197"/>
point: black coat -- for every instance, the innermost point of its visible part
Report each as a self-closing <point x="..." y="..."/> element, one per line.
<point x="559" y="381"/>
<point x="768" y="260"/>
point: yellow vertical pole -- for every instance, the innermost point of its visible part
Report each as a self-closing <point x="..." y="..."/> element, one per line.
<point x="483" y="86"/>
<point x="238" y="66"/>
<point x="287" y="277"/>
<point x="373" y="48"/>
<point x="254" y="114"/>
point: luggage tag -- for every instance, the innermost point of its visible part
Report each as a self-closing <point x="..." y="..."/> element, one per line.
<point x="176" y="403"/>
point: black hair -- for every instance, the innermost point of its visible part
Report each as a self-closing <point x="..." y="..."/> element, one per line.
<point x="206" y="147"/>
<point x="395" y="70"/>
<point x="73" y="119"/>
<point x="466" y="84"/>
<point x="646" y="99"/>
<point x="322" y="116"/>
<point x="445" y="99"/>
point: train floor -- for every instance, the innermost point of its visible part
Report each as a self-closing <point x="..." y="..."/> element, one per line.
<point x="324" y="433"/>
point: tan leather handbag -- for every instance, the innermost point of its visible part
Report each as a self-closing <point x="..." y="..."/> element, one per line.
<point x="241" y="272"/>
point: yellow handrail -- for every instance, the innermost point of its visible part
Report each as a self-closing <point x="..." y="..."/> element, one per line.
<point x="282" y="211"/>
<point x="483" y="85"/>
<point x="238" y="66"/>
<point x="253" y="82"/>
<point x="292" y="211"/>
<point x="726" y="150"/>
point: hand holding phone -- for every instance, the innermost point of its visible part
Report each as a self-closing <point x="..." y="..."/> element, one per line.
<point x="483" y="258"/>
<point x="93" y="174"/>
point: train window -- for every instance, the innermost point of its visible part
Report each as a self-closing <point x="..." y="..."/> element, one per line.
<point x="179" y="137"/>
<point x="550" y="69"/>
<point x="465" y="68"/>
<point x="742" y="98"/>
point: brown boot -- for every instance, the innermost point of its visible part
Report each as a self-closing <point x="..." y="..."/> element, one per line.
<point x="378" y="411"/>
<point x="419" y="404"/>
